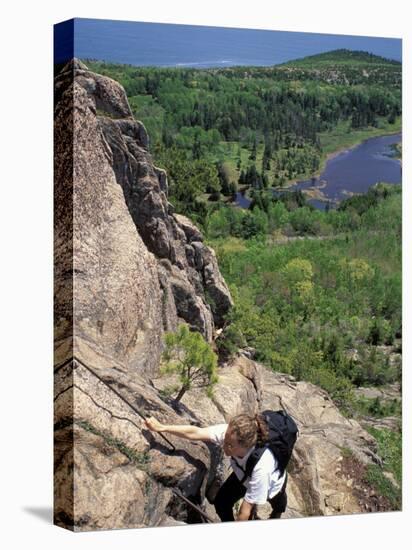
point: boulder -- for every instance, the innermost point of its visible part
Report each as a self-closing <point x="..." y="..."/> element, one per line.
<point x="191" y="232"/>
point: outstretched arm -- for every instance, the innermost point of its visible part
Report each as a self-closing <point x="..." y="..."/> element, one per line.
<point x="185" y="431"/>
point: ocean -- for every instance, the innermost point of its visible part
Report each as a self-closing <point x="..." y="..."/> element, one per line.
<point x="170" y="45"/>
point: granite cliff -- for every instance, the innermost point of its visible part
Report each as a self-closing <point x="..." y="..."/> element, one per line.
<point x="127" y="269"/>
<point x="137" y="267"/>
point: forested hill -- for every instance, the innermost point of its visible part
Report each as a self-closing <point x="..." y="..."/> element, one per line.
<point x="335" y="67"/>
<point x="341" y="56"/>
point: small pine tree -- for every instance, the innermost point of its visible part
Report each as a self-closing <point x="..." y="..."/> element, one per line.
<point x="253" y="154"/>
<point x="191" y="357"/>
<point x="242" y="178"/>
<point x="196" y="148"/>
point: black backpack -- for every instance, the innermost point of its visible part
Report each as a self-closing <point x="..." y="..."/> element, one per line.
<point x="283" y="433"/>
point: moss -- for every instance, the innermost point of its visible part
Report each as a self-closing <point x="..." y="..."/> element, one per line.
<point x="210" y="300"/>
<point x="141" y="460"/>
<point x="346" y="452"/>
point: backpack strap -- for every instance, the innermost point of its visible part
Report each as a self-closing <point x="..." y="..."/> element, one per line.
<point x="252" y="461"/>
<point x="237" y="464"/>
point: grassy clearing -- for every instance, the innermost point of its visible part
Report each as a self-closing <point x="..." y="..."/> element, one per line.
<point x="343" y="136"/>
<point x="377" y="408"/>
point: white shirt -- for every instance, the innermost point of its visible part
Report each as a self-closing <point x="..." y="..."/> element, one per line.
<point x="266" y="480"/>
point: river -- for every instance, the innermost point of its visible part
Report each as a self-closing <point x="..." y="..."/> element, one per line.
<point x="350" y="172"/>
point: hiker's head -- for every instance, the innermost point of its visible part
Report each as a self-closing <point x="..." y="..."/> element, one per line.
<point x="243" y="432"/>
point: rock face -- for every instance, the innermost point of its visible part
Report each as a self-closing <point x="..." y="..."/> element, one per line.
<point x="116" y="305"/>
<point x="137" y="269"/>
<point x="127" y="269"/>
<point x="111" y="472"/>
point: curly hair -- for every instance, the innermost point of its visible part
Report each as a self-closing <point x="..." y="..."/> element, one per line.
<point x="249" y="430"/>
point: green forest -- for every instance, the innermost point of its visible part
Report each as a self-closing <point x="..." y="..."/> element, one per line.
<point x="318" y="294"/>
<point x="217" y="131"/>
<point x="305" y="305"/>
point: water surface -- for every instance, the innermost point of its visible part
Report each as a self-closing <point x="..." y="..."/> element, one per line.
<point x="350" y="172"/>
<point x="172" y="45"/>
<point x="353" y="171"/>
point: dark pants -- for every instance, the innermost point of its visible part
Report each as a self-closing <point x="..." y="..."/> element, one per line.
<point x="232" y="490"/>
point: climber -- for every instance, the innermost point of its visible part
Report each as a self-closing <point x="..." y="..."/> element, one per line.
<point x="239" y="438"/>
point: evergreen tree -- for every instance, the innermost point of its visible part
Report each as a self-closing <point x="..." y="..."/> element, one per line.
<point x="197" y="148"/>
<point x="223" y="175"/>
<point x="242" y="178"/>
<point x="253" y="154"/>
<point x="191" y="357"/>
